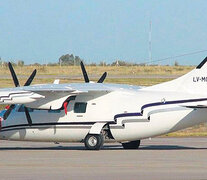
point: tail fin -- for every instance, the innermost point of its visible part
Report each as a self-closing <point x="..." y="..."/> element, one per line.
<point x="193" y="82"/>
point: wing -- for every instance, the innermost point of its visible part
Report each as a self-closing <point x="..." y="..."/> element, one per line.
<point x="52" y="96"/>
<point x="17" y="96"/>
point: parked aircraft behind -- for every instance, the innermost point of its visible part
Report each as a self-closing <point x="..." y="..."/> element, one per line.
<point x="95" y="113"/>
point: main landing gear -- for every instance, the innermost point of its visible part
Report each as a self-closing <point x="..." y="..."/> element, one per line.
<point x="94" y="141"/>
<point x="131" y="145"/>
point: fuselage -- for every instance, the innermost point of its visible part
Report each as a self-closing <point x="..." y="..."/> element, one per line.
<point x="130" y="112"/>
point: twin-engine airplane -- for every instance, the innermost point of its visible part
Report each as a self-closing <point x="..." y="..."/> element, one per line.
<point x="96" y="112"/>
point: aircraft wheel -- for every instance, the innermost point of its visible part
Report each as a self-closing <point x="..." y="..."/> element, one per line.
<point x="131" y="145"/>
<point x="94" y="141"/>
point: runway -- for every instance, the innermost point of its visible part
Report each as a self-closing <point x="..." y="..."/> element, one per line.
<point x="158" y="158"/>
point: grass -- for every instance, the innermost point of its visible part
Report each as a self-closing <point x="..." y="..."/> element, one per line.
<point x="4" y="83"/>
<point x="98" y="70"/>
<point x="200" y="130"/>
<point x="138" y="81"/>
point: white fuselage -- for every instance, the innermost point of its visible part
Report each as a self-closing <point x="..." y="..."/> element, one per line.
<point x="131" y="114"/>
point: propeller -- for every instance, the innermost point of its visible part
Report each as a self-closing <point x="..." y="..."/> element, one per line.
<point x="102" y="78"/>
<point x="30" y="79"/>
<point x="85" y="75"/>
<point x="29" y="119"/>
<point x="16" y="83"/>
<point x="13" y="74"/>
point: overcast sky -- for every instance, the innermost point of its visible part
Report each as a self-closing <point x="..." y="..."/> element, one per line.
<point x="43" y="30"/>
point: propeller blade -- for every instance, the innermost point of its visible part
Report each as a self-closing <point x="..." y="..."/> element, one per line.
<point x="30" y="79"/>
<point x="16" y="83"/>
<point x="85" y="75"/>
<point x="103" y="77"/>
<point x="14" y="76"/>
<point x="8" y="111"/>
<point x="29" y="119"/>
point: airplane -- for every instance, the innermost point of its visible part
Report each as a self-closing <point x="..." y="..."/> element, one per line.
<point x="94" y="113"/>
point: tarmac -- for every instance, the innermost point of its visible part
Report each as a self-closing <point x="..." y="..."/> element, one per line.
<point x="157" y="158"/>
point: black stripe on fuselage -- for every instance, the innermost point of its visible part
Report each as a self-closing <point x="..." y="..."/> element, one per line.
<point x="52" y="124"/>
<point x="46" y="127"/>
<point x="157" y="104"/>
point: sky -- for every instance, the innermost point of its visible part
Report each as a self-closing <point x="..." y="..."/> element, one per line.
<point x="108" y="30"/>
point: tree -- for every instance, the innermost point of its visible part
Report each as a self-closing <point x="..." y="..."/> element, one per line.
<point x="120" y="63"/>
<point x="102" y="63"/>
<point x="69" y="59"/>
<point x="20" y="63"/>
<point x="176" y="63"/>
<point x="77" y="60"/>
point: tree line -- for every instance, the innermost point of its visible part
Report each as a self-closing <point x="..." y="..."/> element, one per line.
<point x="72" y="60"/>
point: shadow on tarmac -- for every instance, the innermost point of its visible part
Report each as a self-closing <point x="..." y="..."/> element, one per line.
<point x="106" y="147"/>
<point x="168" y="147"/>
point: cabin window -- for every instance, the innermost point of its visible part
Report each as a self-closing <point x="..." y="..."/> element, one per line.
<point x="80" y="107"/>
<point x="21" y="109"/>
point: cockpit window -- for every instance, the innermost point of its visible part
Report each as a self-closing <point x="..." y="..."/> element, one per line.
<point x="80" y="107"/>
<point x="21" y="109"/>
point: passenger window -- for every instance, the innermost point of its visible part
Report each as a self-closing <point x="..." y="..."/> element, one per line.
<point x="80" y="107"/>
<point x="21" y="109"/>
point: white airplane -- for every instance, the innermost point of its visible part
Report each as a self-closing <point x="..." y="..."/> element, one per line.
<point x="95" y="113"/>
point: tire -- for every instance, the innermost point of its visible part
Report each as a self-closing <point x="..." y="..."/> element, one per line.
<point x="131" y="145"/>
<point x="94" y="141"/>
